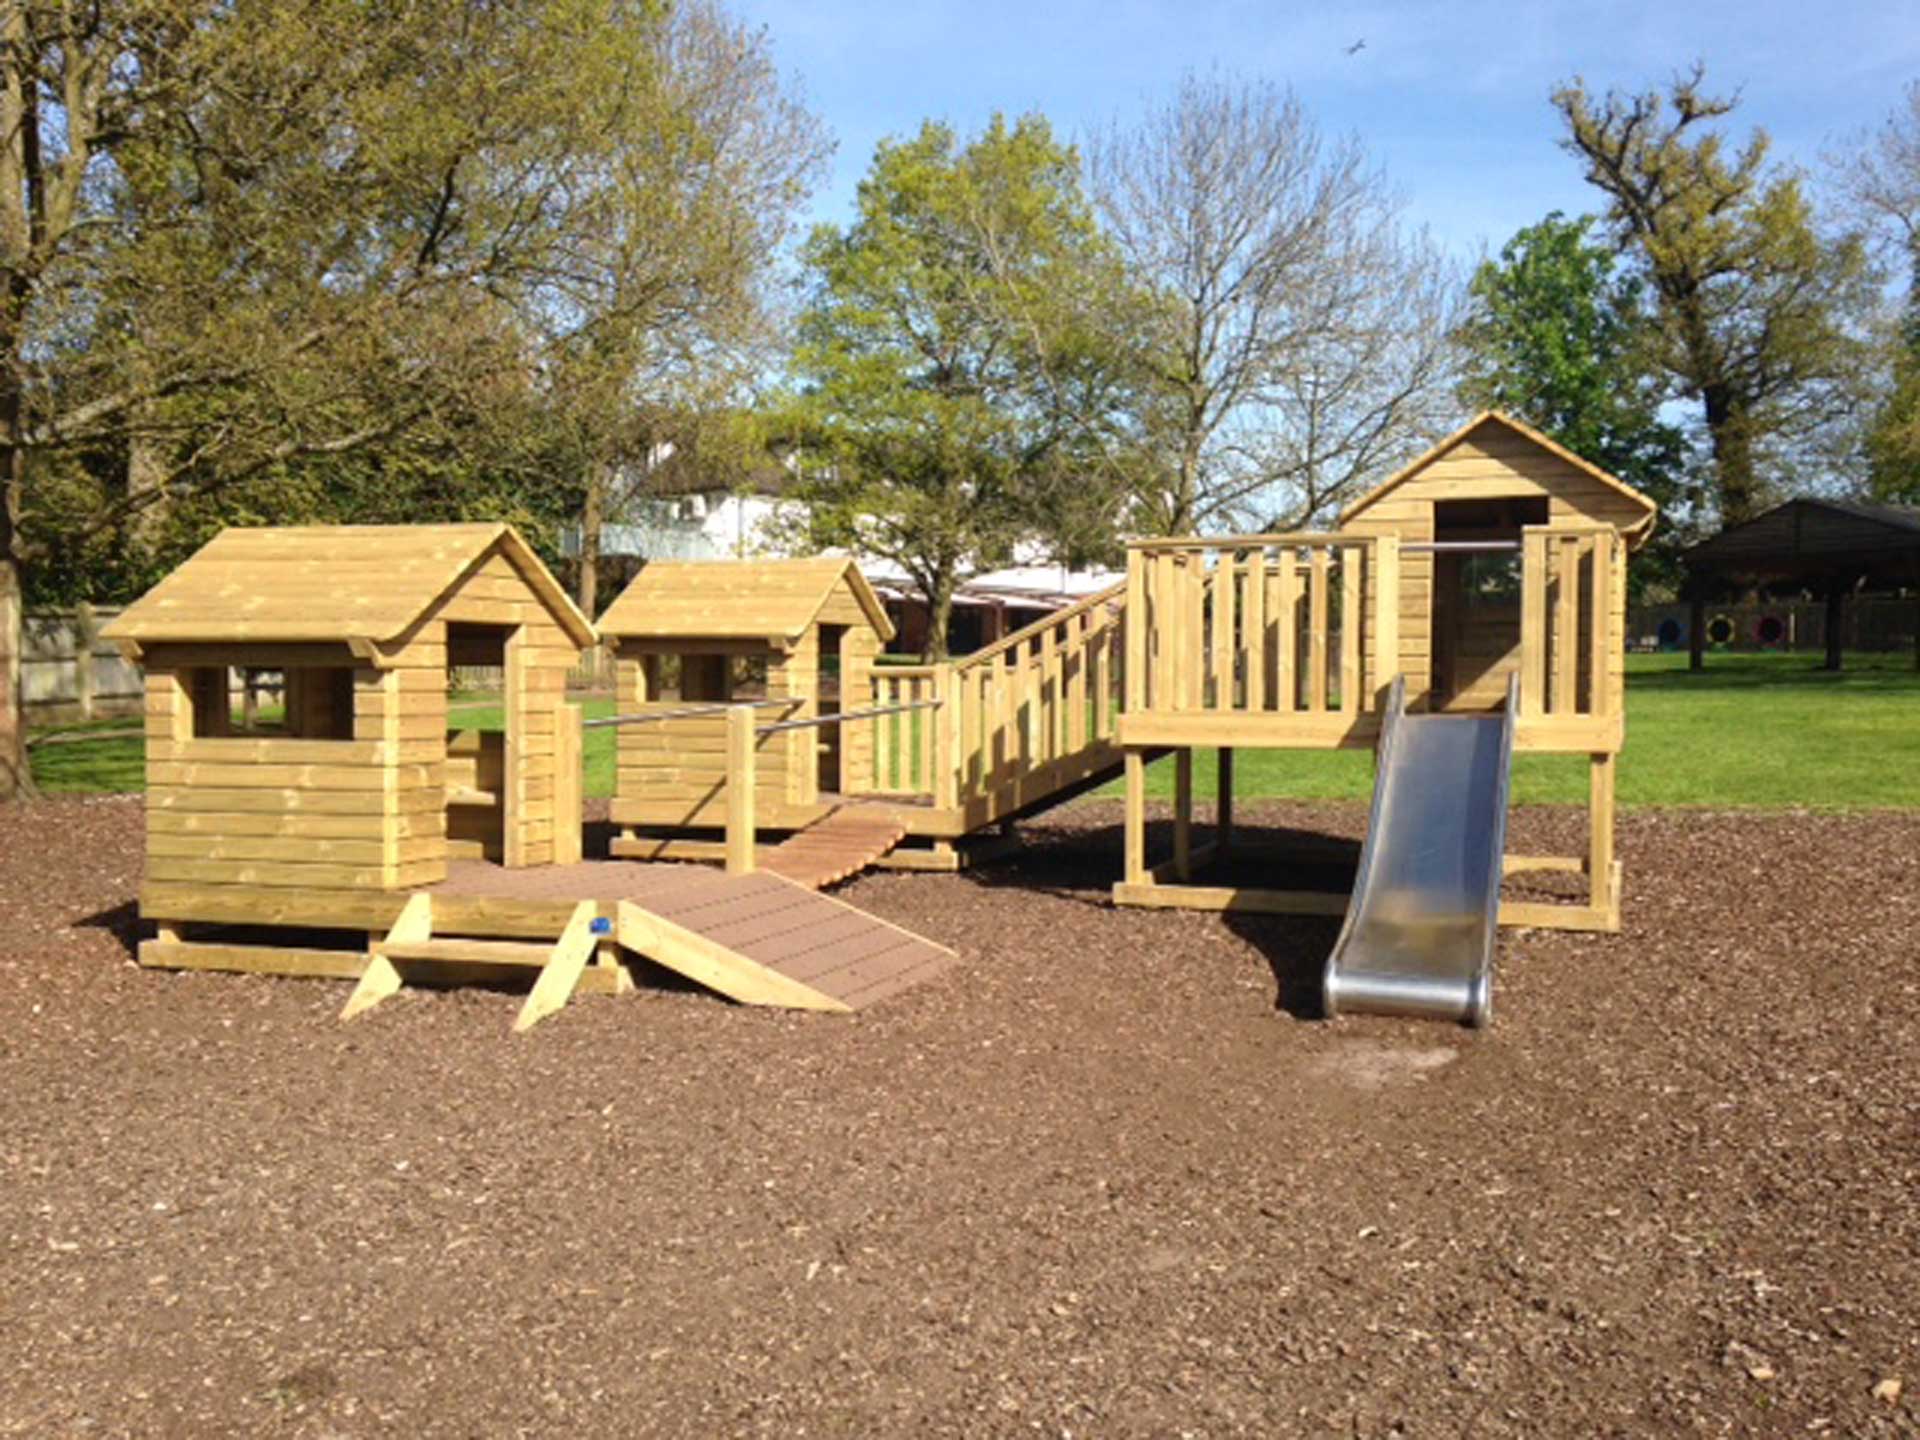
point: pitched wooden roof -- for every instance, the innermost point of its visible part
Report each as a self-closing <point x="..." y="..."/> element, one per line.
<point x="1498" y="420"/>
<point x="362" y="584"/>
<point x="1810" y="538"/>
<point x="773" y="600"/>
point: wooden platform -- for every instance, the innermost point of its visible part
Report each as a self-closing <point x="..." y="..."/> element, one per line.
<point x="758" y="939"/>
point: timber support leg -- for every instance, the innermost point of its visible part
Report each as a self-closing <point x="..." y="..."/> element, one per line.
<point x="1223" y="804"/>
<point x="1602" y="890"/>
<point x="1183" y="813"/>
<point x="1136" y="821"/>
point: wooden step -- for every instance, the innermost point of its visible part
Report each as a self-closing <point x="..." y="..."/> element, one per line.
<point x="468" y="951"/>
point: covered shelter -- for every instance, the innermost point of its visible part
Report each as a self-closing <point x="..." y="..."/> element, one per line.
<point x="324" y="809"/>
<point x="690" y="637"/>
<point x="1833" y="548"/>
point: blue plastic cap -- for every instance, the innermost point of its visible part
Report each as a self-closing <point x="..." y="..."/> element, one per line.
<point x="602" y="925"/>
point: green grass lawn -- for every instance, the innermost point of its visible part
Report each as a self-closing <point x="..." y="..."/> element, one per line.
<point x="1751" y="730"/>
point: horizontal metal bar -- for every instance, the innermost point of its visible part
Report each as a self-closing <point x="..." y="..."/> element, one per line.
<point x="837" y="717"/>
<point x="1457" y="547"/>
<point x="643" y="717"/>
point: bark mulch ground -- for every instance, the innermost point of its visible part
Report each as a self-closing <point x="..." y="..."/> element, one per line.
<point x="1106" y="1177"/>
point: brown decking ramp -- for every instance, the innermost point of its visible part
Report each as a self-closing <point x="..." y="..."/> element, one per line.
<point x="759" y="939"/>
<point x="836" y="846"/>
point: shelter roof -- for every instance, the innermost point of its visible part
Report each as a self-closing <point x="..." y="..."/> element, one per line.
<point x="1815" y="538"/>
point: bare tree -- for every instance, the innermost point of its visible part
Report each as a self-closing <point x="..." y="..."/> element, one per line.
<point x="1301" y="337"/>
<point x="1880" y="174"/>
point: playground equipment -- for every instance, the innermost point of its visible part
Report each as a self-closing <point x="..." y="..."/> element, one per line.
<point x="1470" y="607"/>
<point x="397" y="847"/>
<point x="1495" y="554"/>
<point x="1419" y="932"/>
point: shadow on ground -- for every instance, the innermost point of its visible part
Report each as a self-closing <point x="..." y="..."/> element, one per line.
<point x="1081" y="864"/>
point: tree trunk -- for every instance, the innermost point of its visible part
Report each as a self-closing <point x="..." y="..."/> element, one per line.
<point x="1731" y="429"/>
<point x="146" y="468"/>
<point x="1696" y="634"/>
<point x="587" y="583"/>
<point x="16" y="781"/>
<point x="939" y="616"/>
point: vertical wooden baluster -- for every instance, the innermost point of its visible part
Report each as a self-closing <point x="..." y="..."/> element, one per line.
<point x="1600" y="634"/>
<point x="1319" y="622"/>
<point x="1386" y="615"/>
<point x="1533" y="622"/>
<point x="1253" y="631"/>
<point x="1167" y="613"/>
<point x="1197" y="653"/>
<point x="1079" y="661"/>
<point x="1050" y="702"/>
<point x="1226" y="577"/>
<point x="1137" y="619"/>
<point x="1286" y="631"/>
<point x="1350" y="608"/>
<point x="1566" y="631"/>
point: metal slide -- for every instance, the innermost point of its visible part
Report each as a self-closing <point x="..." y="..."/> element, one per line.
<point x="1418" y="938"/>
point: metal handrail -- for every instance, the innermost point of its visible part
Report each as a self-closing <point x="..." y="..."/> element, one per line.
<point x="838" y="716"/>
<point x="643" y="717"/>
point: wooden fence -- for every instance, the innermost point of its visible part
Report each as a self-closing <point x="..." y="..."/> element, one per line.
<point x="69" y="673"/>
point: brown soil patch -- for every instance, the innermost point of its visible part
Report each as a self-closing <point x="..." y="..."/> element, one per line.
<point x="1102" y="1178"/>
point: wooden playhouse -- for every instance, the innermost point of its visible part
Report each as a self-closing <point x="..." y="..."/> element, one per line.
<point x="796" y="638"/>
<point x="327" y="811"/>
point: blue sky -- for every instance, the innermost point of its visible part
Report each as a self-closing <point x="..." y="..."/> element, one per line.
<point x="1451" y="98"/>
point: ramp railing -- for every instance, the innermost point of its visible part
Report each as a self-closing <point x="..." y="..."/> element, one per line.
<point x="1045" y="695"/>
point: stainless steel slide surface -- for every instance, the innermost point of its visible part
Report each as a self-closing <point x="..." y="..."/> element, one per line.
<point x="1418" y="938"/>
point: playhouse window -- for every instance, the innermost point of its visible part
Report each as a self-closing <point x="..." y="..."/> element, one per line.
<point x="313" y="702"/>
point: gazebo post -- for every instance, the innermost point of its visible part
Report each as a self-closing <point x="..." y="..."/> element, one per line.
<point x="1836" y="619"/>
<point x="1696" y="633"/>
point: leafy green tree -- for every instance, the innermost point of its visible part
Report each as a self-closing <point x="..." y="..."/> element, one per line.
<point x="1756" y="314"/>
<point x="1556" y="335"/>
<point x="296" y="257"/>
<point x="958" y="385"/>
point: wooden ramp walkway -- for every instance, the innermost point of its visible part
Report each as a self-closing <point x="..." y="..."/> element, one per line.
<point x="836" y="846"/>
<point x="759" y="939"/>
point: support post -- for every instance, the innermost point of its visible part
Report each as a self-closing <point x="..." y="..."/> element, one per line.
<point x="1136" y="821"/>
<point x="1696" y="634"/>
<point x="1600" y="837"/>
<point x="1183" y="813"/>
<point x="740" y="786"/>
<point x="1223" y="803"/>
<point x="1836" y="622"/>
<point x="945" y="720"/>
